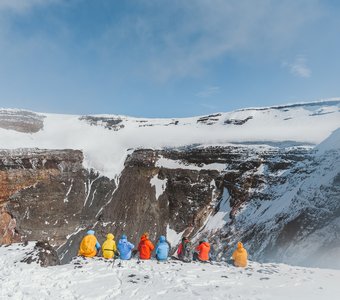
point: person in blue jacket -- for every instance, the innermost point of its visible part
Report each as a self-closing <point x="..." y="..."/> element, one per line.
<point x="125" y="248"/>
<point x="162" y="249"/>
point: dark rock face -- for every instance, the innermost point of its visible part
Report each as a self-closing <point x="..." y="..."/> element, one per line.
<point x="48" y="195"/>
<point x="33" y="183"/>
<point x="237" y="122"/>
<point x="22" y="121"/>
<point x="43" y="254"/>
<point x="187" y="193"/>
<point x="209" y="120"/>
<point x="109" y="123"/>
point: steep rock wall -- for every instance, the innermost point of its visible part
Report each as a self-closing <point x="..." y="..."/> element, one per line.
<point x="224" y="193"/>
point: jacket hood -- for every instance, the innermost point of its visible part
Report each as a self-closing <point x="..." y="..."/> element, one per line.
<point x="144" y="237"/>
<point x="90" y="232"/>
<point x="206" y="244"/>
<point x="110" y="236"/>
<point x="124" y="237"/>
<point x="162" y="238"/>
<point x="122" y="241"/>
<point x="239" y="245"/>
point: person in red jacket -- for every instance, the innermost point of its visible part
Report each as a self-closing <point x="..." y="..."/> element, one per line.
<point x="202" y="251"/>
<point x="145" y="247"/>
<point x="184" y="250"/>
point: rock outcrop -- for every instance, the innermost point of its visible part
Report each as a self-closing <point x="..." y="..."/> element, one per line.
<point x="21" y="121"/>
<point x="49" y="195"/>
<point x="43" y="254"/>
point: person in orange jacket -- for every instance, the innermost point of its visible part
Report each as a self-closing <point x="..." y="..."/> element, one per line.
<point x="145" y="247"/>
<point x="240" y="256"/>
<point x="89" y="245"/>
<point x="202" y="251"/>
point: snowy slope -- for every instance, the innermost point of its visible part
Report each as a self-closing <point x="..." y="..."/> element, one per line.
<point x="300" y="223"/>
<point x="106" y="139"/>
<point x="99" y="279"/>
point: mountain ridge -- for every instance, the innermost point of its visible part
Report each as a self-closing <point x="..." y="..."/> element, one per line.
<point x="222" y="176"/>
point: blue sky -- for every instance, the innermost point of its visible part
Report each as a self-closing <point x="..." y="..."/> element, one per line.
<point x="166" y="58"/>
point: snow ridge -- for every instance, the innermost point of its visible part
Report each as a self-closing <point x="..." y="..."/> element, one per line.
<point x="106" y="143"/>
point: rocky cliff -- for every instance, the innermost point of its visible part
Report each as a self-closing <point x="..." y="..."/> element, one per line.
<point x="282" y="199"/>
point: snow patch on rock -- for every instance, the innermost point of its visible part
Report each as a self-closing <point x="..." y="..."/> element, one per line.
<point x="221" y="217"/>
<point x="167" y="163"/>
<point x="172" y="236"/>
<point x="159" y="184"/>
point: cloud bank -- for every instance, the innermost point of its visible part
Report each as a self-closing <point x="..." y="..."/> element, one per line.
<point x="182" y="38"/>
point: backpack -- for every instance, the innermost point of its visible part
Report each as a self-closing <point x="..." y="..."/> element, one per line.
<point x="88" y="244"/>
<point x="187" y="255"/>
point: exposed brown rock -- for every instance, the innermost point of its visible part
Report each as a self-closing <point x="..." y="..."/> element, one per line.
<point x="20" y="120"/>
<point x="47" y="194"/>
<point x="8" y="234"/>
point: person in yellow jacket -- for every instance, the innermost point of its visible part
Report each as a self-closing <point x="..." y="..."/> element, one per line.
<point x="89" y="245"/>
<point x="240" y="256"/>
<point x="109" y="248"/>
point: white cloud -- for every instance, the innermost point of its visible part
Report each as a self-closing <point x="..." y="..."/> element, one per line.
<point x="299" y="67"/>
<point x="208" y="92"/>
<point x="176" y="39"/>
<point x="207" y="31"/>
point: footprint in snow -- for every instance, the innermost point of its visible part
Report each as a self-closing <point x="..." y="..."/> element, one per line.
<point x="133" y="281"/>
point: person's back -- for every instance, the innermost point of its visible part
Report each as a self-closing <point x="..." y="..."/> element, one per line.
<point x="89" y="245"/>
<point x="162" y="249"/>
<point x="125" y="248"/>
<point x="145" y="247"/>
<point x="240" y="256"/>
<point x="109" y="246"/>
<point x="203" y="250"/>
<point x="184" y="250"/>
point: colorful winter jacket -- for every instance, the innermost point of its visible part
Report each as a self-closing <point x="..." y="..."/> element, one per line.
<point x="184" y="251"/>
<point x="162" y="249"/>
<point x="89" y="245"/>
<point x="240" y="256"/>
<point x="109" y="246"/>
<point x="203" y="250"/>
<point x="125" y="248"/>
<point x="145" y="247"/>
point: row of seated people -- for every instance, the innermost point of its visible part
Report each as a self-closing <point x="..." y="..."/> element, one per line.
<point x="90" y="247"/>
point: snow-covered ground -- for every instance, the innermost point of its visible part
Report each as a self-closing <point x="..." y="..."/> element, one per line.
<point x="100" y="279"/>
